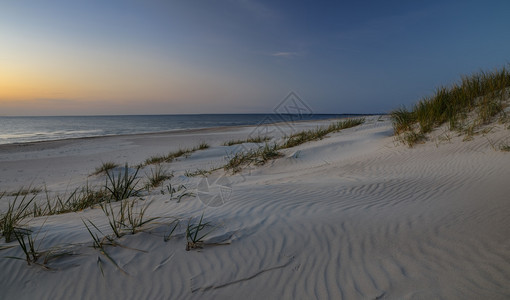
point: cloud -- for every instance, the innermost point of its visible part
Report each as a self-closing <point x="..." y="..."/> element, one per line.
<point x="285" y="54"/>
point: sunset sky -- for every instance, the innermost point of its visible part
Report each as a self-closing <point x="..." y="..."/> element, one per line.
<point x="245" y="56"/>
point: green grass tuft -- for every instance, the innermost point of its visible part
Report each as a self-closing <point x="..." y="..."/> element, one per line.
<point x="504" y="147"/>
<point x="257" y="140"/>
<point x="157" y="176"/>
<point x="77" y="200"/>
<point x="123" y="185"/>
<point x="255" y="156"/>
<point x="105" y="167"/>
<point x="195" y="233"/>
<point x="158" y="159"/>
<point x="320" y="132"/>
<point x="263" y="154"/>
<point x="483" y="93"/>
<point x="17" y="211"/>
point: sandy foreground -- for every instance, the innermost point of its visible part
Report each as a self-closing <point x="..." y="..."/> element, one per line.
<point x="353" y="216"/>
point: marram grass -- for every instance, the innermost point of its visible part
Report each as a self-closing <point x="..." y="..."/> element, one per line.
<point x="168" y="158"/>
<point x="272" y="151"/>
<point x="483" y="93"/>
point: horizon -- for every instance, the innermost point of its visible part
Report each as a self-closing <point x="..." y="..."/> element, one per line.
<point x="239" y="57"/>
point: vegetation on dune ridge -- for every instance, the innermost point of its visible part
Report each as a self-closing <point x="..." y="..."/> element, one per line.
<point x="119" y="185"/>
<point x="320" y="132"/>
<point x="267" y="152"/>
<point x="157" y="159"/>
<point x="473" y="102"/>
<point x="105" y="167"/>
<point x="257" y="140"/>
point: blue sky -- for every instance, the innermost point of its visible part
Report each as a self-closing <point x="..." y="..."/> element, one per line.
<point x="151" y="57"/>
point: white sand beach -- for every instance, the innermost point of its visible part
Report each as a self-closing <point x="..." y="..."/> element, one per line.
<point x="355" y="215"/>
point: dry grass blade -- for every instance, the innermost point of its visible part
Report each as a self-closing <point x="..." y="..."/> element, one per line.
<point x="99" y="243"/>
<point x="176" y="223"/>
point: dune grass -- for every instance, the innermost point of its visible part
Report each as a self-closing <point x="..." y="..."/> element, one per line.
<point x="17" y="210"/>
<point x="118" y="186"/>
<point x="126" y="217"/>
<point x="176" y="192"/>
<point x="198" y="172"/>
<point x="28" y="247"/>
<point x="79" y="199"/>
<point x="195" y="233"/>
<point x="157" y="175"/>
<point x="255" y="156"/>
<point x="268" y="152"/>
<point x="168" y="236"/>
<point x="123" y="185"/>
<point x="32" y="253"/>
<point x="26" y="191"/>
<point x="100" y="244"/>
<point x="158" y="159"/>
<point x="105" y="167"/>
<point x="504" y="147"/>
<point x="320" y="132"/>
<point x="483" y="93"/>
<point x="257" y="140"/>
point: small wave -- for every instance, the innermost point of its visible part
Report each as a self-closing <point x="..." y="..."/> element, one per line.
<point x="10" y="138"/>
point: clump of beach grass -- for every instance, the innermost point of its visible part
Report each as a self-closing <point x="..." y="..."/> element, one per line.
<point x="123" y="185"/>
<point x="254" y="156"/>
<point x="197" y="172"/>
<point x="28" y="247"/>
<point x="268" y="152"/>
<point x="305" y="136"/>
<point x="17" y="210"/>
<point x="168" y="158"/>
<point x="196" y="232"/>
<point x="483" y="94"/>
<point x="176" y="192"/>
<point x="126" y="217"/>
<point x="157" y="175"/>
<point x="32" y="253"/>
<point x="79" y="199"/>
<point x="256" y="140"/>
<point x="100" y="244"/>
<point x="105" y="167"/>
<point x="26" y="191"/>
<point x="504" y="147"/>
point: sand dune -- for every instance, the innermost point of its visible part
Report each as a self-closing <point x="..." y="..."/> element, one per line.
<point x="352" y="216"/>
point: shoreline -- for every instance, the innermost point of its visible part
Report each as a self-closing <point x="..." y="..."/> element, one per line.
<point x="176" y="131"/>
<point x="57" y="163"/>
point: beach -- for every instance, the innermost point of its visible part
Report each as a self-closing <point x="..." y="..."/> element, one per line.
<point x="354" y="215"/>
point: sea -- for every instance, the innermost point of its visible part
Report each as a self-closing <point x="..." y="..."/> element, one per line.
<point x="35" y="129"/>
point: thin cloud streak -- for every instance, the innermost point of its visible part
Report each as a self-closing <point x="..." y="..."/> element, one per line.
<point x="285" y="54"/>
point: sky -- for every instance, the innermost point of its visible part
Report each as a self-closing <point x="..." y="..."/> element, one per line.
<point x="240" y="56"/>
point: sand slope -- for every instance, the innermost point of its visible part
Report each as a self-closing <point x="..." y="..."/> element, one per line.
<point x="353" y="216"/>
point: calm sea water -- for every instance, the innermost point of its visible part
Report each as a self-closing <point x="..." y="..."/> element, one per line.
<point x="33" y="129"/>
